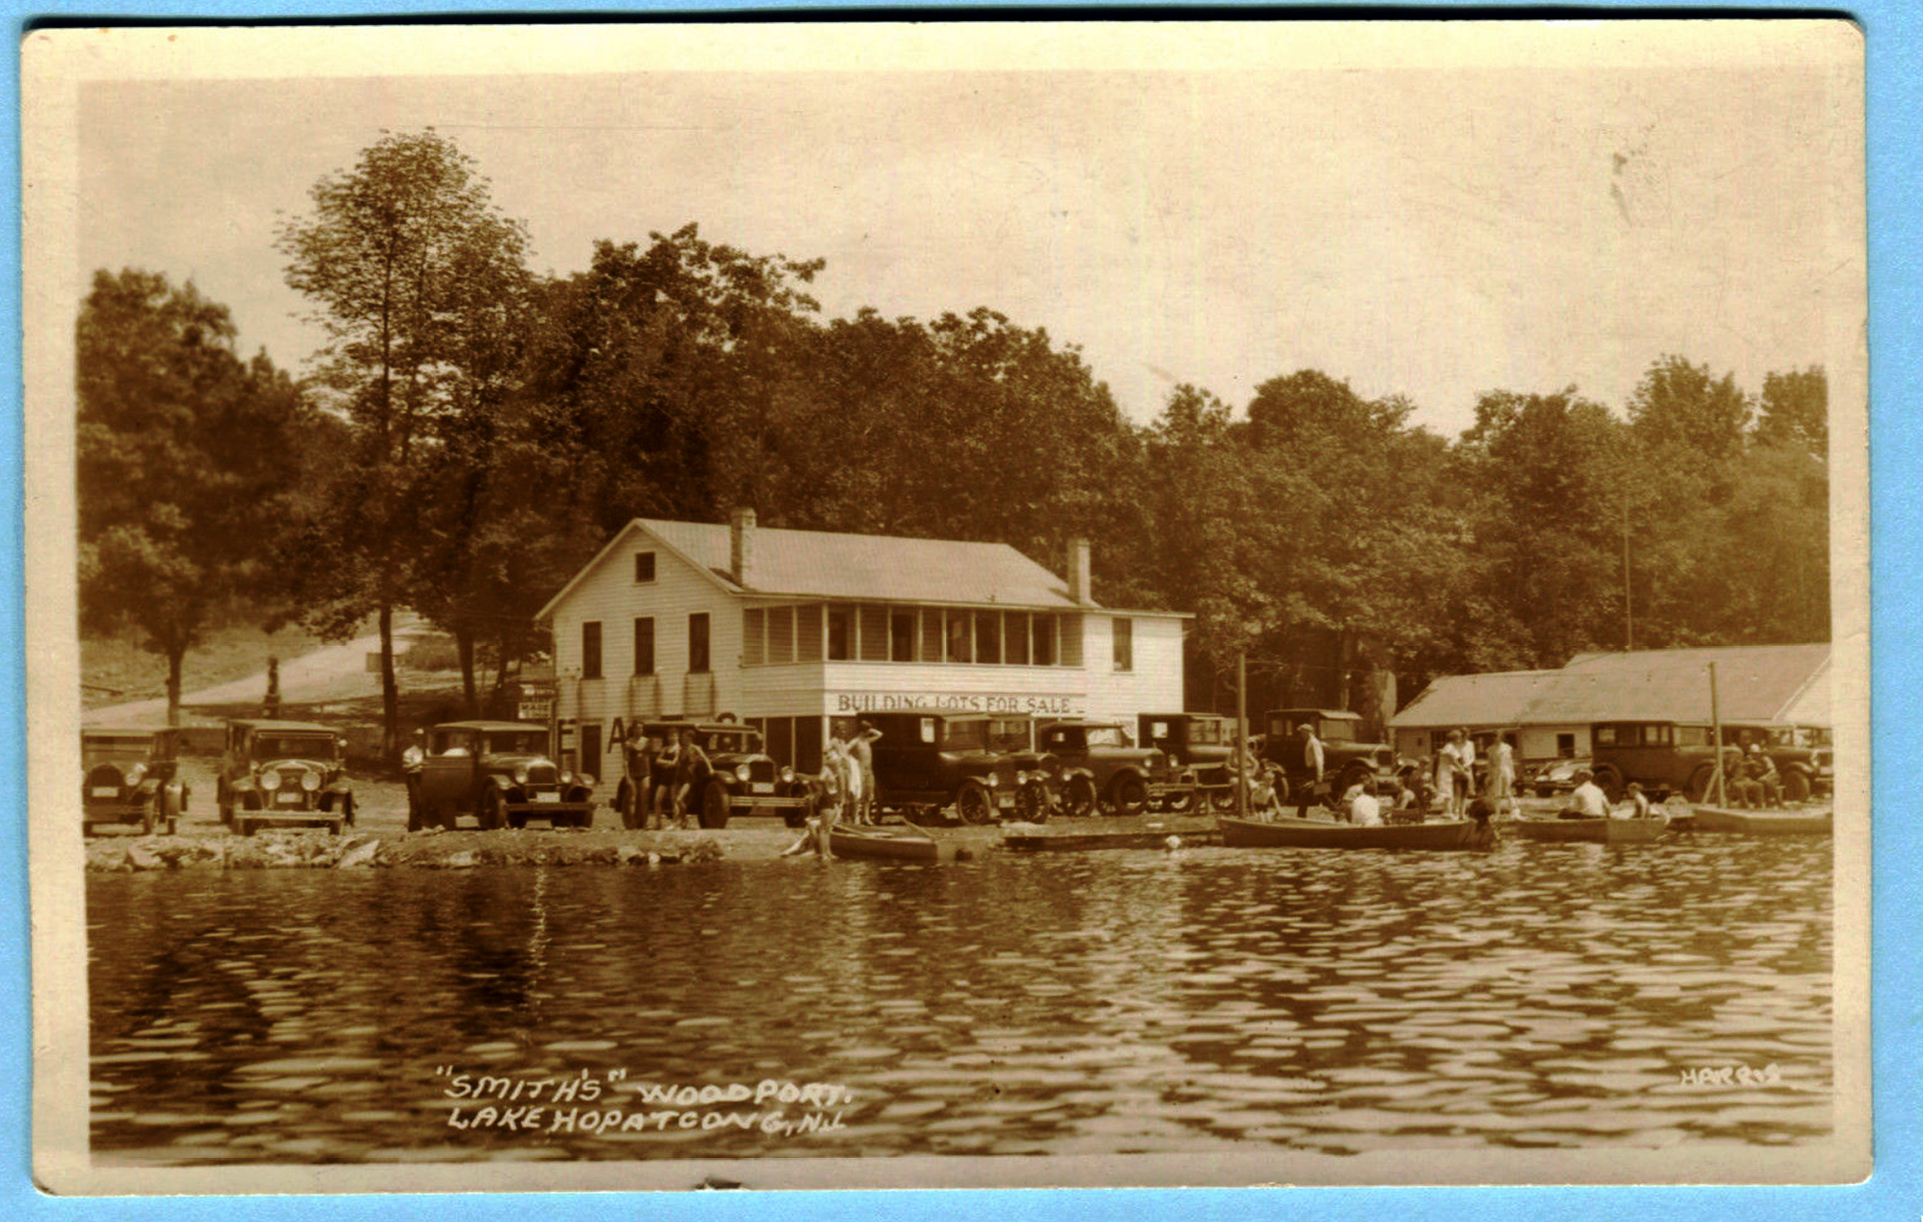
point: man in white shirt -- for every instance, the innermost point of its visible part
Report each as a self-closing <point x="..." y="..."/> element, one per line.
<point x="1587" y="801"/>
<point x="1307" y="770"/>
<point x="1365" y="810"/>
<point x="1502" y="777"/>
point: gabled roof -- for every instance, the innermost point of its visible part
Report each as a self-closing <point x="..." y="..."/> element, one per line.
<point x="831" y="565"/>
<point x="1754" y="683"/>
<point x="1494" y="699"/>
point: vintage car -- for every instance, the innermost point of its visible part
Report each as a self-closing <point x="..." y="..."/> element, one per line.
<point x="1664" y="757"/>
<point x="1549" y="778"/>
<point x="284" y="774"/>
<point x="1805" y="763"/>
<point x="1202" y="743"/>
<point x="500" y="774"/>
<point x="982" y="765"/>
<point x="1346" y="757"/>
<point x="1097" y="765"/>
<point x="128" y="776"/>
<point x="740" y="778"/>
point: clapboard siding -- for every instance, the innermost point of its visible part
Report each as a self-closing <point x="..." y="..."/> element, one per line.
<point x="813" y="688"/>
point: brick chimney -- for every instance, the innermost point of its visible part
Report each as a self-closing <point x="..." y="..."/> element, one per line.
<point x="1078" y="570"/>
<point x="741" y="546"/>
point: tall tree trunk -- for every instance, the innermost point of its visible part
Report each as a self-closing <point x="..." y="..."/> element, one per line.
<point x="390" y="688"/>
<point x="175" y="654"/>
<point x="464" y="643"/>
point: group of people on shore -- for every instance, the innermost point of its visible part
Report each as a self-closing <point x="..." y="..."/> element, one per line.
<point x="1448" y="779"/>
<point x="847" y="788"/>
<point x="668" y="774"/>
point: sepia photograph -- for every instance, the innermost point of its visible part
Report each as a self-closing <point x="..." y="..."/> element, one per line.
<point x="674" y="606"/>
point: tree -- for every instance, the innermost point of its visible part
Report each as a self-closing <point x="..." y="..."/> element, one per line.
<point x="414" y="273"/>
<point x="187" y="459"/>
<point x="1685" y="416"/>
<point x="1796" y="410"/>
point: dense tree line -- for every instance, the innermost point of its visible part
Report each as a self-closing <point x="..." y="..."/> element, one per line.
<point x="488" y="429"/>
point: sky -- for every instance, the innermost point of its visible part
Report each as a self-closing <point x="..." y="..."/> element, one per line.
<point x="1429" y="231"/>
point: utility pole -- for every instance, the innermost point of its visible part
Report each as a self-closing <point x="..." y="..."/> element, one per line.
<point x="1241" y="734"/>
<point x="1716" y="732"/>
<point x="1629" y="632"/>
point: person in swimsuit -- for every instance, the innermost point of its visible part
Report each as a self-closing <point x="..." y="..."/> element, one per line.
<point x="690" y="769"/>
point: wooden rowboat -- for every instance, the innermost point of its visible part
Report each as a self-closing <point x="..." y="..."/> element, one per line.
<point x="1288" y="833"/>
<point x="1591" y="831"/>
<point x="1030" y="842"/>
<point x="1764" y="822"/>
<point x="888" y="844"/>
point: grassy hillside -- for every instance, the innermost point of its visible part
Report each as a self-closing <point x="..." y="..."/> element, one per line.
<point x="115" y="670"/>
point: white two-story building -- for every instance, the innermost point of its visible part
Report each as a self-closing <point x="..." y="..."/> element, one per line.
<point x="800" y="632"/>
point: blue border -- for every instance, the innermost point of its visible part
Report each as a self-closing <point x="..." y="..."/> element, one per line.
<point x="1895" y="157"/>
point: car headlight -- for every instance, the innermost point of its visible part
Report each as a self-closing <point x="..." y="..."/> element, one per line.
<point x="270" y="779"/>
<point x="788" y="775"/>
<point x="741" y="772"/>
<point x="991" y="780"/>
<point x="567" y="777"/>
<point x="585" y="779"/>
<point x="135" y="773"/>
<point x="520" y="774"/>
<point x="310" y="780"/>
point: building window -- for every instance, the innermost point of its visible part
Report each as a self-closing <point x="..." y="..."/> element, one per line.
<point x="901" y="635"/>
<point x="698" y="643"/>
<point x="841" y="633"/>
<point x="781" y="635"/>
<point x="1044" y="636"/>
<point x="874" y="633"/>
<point x="1124" y="644"/>
<point x="931" y="634"/>
<point x="591" y="649"/>
<point x="988" y="636"/>
<point x="753" y="627"/>
<point x="1069" y="629"/>
<point x="643" y="567"/>
<point x="960" y="639"/>
<point x="808" y="633"/>
<point x="644" y="645"/>
<point x="1565" y="746"/>
<point x="1015" y="638"/>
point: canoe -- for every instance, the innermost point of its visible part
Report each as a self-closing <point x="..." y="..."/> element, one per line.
<point x="1590" y="831"/>
<point x="887" y="843"/>
<point x="1763" y="822"/>
<point x="1317" y="834"/>
<point x="1069" y="841"/>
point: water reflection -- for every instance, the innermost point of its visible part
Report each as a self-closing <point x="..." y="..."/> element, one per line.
<point x="1073" y="1004"/>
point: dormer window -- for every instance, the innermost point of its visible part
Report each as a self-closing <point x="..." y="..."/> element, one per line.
<point x="643" y="567"/>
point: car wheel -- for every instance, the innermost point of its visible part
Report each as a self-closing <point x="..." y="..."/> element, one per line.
<point x="333" y="827"/>
<point x="244" y="826"/>
<point x="1128" y="796"/>
<point x="493" y="812"/>
<point x="1031" y="801"/>
<point x="449" y="815"/>
<point x="1796" y="787"/>
<point x="585" y="819"/>
<point x="1179" y="803"/>
<point x="1222" y="800"/>
<point x="714" y="806"/>
<point x="147" y="818"/>
<point x="1078" y="797"/>
<point x="517" y="822"/>
<point x="973" y="804"/>
<point x="1610" y="782"/>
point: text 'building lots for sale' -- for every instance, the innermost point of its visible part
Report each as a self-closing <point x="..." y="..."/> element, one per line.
<point x="800" y="632"/>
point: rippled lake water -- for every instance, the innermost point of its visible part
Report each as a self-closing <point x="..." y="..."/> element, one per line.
<point x="1203" y="1000"/>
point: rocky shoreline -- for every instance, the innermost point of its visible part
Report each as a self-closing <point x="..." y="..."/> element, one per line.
<point x="459" y="850"/>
